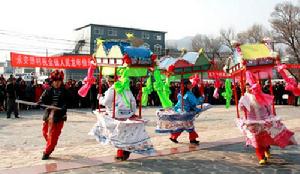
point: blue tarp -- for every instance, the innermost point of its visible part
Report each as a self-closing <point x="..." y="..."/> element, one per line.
<point x="109" y="44"/>
<point x="138" y="52"/>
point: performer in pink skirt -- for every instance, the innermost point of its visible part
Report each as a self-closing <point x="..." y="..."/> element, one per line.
<point x="260" y="126"/>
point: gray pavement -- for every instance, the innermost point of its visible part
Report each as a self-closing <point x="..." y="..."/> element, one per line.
<point x="234" y="158"/>
<point x="21" y="145"/>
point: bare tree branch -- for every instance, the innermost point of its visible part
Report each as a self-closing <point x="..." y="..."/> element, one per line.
<point x="285" y="21"/>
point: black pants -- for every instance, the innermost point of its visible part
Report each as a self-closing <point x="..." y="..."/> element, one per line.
<point x="12" y="106"/>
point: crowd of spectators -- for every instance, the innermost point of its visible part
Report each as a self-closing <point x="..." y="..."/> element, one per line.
<point x="32" y="90"/>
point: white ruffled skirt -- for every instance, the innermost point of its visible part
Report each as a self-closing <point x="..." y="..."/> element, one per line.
<point x="129" y="135"/>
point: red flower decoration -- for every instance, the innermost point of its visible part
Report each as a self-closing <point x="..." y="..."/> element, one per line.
<point x="171" y="68"/>
<point x="126" y="59"/>
<point x="153" y="57"/>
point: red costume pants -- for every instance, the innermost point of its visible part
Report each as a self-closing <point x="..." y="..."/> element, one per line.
<point x="120" y="153"/>
<point x="192" y="135"/>
<point x="51" y="132"/>
<point x="260" y="151"/>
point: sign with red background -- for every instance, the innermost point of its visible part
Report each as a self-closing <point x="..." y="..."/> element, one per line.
<point x="54" y="62"/>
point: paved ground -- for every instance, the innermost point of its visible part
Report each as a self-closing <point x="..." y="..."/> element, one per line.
<point x="21" y="145"/>
<point x="224" y="159"/>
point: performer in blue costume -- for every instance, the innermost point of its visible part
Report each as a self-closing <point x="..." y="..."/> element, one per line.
<point x="191" y="104"/>
<point x="176" y="121"/>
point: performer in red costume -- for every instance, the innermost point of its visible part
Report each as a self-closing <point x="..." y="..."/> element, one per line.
<point x="261" y="128"/>
<point x="54" y="119"/>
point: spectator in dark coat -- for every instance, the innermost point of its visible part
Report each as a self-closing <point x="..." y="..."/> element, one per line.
<point x="2" y="94"/>
<point x="11" y="93"/>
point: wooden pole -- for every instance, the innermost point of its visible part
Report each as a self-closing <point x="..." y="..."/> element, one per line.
<point x="242" y="82"/>
<point x="243" y="72"/>
<point x="114" y="102"/>
<point x="100" y="85"/>
<point x="272" y="93"/>
<point x="140" y="98"/>
<point x="236" y="98"/>
<point x="182" y="90"/>
<point x="202" y="85"/>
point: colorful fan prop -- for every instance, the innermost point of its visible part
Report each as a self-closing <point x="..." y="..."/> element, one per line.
<point x="228" y="93"/>
<point x="89" y="80"/>
<point x="159" y="87"/>
<point x="146" y="91"/>
<point x="123" y="84"/>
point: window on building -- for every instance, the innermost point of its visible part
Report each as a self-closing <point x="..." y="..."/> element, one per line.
<point x="158" y="37"/>
<point x="146" y="45"/>
<point x="157" y="49"/>
<point x="99" y="31"/>
<point x="112" y="32"/>
<point x="145" y="35"/>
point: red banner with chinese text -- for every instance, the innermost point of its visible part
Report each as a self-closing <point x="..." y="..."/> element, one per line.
<point x="53" y="62"/>
<point x="212" y="74"/>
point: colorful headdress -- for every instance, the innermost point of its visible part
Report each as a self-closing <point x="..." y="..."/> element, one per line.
<point x="57" y="75"/>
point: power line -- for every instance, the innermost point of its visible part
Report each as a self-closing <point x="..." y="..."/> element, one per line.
<point x="35" y="52"/>
<point x="43" y="39"/>
<point x="31" y="35"/>
<point x="33" y="46"/>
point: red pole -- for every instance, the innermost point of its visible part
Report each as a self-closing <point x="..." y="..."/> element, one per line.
<point x="236" y="98"/>
<point x="258" y="76"/>
<point x="243" y="87"/>
<point x="182" y="90"/>
<point x="140" y="98"/>
<point x="201" y="89"/>
<point x="100" y="85"/>
<point x="242" y="82"/>
<point x="114" y="102"/>
<point x="202" y="85"/>
<point x="272" y="93"/>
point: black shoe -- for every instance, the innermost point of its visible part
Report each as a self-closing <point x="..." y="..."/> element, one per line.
<point x="8" y="117"/>
<point x="17" y="117"/>
<point x="118" y="158"/>
<point x="45" y="157"/>
<point x="194" y="142"/>
<point x="126" y="155"/>
<point x="173" y="140"/>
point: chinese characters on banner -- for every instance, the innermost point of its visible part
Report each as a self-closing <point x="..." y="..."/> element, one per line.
<point x="55" y="62"/>
<point x="220" y="74"/>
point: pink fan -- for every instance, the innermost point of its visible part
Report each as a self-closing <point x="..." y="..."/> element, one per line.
<point x="89" y="80"/>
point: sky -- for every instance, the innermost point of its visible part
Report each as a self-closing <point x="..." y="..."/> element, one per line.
<point x="58" y="18"/>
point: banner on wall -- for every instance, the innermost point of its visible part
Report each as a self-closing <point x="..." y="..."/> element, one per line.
<point x="54" y="62"/>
